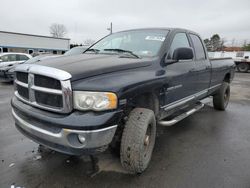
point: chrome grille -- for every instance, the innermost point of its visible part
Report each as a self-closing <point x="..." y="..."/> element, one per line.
<point x="44" y="87"/>
<point x="23" y="91"/>
<point x="23" y="77"/>
<point x="44" y="81"/>
<point x="49" y="99"/>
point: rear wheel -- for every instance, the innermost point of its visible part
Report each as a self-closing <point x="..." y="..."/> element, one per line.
<point x="138" y="140"/>
<point x="221" y="98"/>
<point x="243" y="67"/>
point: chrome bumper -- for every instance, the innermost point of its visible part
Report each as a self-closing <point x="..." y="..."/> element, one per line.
<point x="67" y="137"/>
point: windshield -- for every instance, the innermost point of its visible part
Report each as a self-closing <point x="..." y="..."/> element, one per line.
<point x="75" y="51"/>
<point x="140" y="43"/>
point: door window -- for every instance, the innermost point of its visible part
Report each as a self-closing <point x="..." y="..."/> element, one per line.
<point x="30" y="51"/>
<point x="180" y="40"/>
<point x="12" y="57"/>
<point x="4" y="58"/>
<point x="22" y="58"/>
<point x="198" y="47"/>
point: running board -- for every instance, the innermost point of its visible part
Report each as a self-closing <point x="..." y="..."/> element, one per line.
<point x="182" y="116"/>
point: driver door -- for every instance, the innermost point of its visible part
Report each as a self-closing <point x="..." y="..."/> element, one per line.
<point x="180" y="75"/>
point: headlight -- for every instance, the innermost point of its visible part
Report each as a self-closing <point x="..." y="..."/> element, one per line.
<point x="98" y="101"/>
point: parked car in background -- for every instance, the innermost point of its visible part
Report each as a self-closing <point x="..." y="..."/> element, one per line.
<point x="118" y="92"/>
<point x="9" y="59"/>
<point x="76" y="50"/>
<point x="7" y="72"/>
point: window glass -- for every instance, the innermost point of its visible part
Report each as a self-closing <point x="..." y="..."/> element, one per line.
<point x="4" y="58"/>
<point x="240" y="54"/>
<point x="30" y="51"/>
<point x="21" y="57"/>
<point x="198" y="47"/>
<point x="24" y="57"/>
<point x="180" y="40"/>
<point x="76" y="51"/>
<point x="144" y="43"/>
<point x="12" y="57"/>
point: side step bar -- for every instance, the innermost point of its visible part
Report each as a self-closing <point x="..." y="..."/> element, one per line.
<point x="182" y="116"/>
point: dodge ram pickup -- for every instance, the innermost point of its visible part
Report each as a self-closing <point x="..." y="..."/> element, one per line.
<point x="117" y="92"/>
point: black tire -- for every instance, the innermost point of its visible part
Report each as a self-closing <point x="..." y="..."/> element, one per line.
<point x="138" y="140"/>
<point x="243" y="67"/>
<point x="221" y="98"/>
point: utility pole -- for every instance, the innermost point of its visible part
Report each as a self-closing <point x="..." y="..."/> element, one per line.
<point x="110" y="28"/>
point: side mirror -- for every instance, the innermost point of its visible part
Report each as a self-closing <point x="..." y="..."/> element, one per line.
<point x="183" y="54"/>
<point x="180" y="54"/>
<point x="1" y="60"/>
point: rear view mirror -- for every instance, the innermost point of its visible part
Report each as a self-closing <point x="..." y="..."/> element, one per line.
<point x="183" y="54"/>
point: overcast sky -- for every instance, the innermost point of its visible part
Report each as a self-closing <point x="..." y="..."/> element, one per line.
<point x="90" y="18"/>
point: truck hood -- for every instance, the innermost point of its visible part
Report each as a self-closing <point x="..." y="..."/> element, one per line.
<point x="87" y="65"/>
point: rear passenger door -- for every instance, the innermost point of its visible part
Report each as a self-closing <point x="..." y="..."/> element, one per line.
<point x="180" y="77"/>
<point x="203" y="67"/>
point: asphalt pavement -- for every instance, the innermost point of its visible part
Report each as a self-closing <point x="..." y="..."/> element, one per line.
<point x="208" y="149"/>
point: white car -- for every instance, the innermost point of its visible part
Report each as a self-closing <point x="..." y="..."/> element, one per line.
<point x="10" y="59"/>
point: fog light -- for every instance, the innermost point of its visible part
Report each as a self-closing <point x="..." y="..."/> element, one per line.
<point x="81" y="139"/>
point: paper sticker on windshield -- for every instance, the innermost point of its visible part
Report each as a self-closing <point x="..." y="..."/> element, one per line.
<point x="157" y="38"/>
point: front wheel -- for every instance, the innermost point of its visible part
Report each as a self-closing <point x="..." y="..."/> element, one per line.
<point x="221" y="98"/>
<point x="138" y="140"/>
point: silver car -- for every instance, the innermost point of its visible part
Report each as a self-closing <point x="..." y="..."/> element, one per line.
<point x="10" y="59"/>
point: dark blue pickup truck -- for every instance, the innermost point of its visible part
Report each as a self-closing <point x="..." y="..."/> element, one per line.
<point x="117" y="92"/>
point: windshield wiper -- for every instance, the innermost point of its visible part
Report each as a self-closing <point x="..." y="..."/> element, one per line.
<point x="92" y="50"/>
<point x="122" y="51"/>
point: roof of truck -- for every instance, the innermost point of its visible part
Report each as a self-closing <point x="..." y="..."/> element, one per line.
<point x="157" y="28"/>
<point x="160" y="28"/>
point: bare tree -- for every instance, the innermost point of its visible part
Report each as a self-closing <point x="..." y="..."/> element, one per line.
<point x="245" y="43"/>
<point x="58" y="30"/>
<point x="89" y="42"/>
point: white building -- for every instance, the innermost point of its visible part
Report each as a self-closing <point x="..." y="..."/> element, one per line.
<point x="27" y="43"/>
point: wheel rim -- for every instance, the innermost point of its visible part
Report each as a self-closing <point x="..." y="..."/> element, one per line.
<point x="226" y="96"/>
<point x="242" y="67"/>
<point x="147" y="140"/>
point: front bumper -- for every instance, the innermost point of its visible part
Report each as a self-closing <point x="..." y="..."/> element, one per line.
<point x="59" y="137"/>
